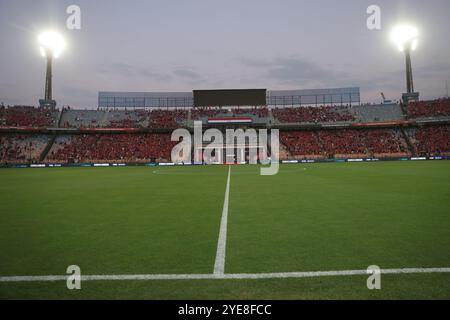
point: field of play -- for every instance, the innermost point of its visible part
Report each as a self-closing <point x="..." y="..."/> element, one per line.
<point x="220" y="232"/>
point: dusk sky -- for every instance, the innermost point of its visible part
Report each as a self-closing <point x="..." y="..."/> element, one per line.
<point x="180" y="45"/>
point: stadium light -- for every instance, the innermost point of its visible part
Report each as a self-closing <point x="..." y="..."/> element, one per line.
<point x="51" y="44"/>
<point x="406" y="39"/>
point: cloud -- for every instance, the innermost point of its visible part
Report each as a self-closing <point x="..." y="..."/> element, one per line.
<point x="187" y="73"/>
<point x="128" y="70"/>
<point x="299" y="71"/>
<point x="254" y="62"/>
<point x="434" y="70"/>
<point x="295" y="71"/>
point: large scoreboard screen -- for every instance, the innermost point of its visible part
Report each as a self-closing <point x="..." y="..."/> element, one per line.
<point x="230" y="97"/>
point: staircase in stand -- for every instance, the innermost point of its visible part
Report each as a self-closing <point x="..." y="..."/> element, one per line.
<point x="411" y="146"/>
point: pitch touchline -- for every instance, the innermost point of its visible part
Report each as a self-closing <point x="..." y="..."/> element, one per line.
<point x="229" y="276"/>
<point x="219" y="265"/>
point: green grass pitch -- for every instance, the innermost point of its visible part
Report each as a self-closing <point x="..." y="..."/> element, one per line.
<point x="166" y="220"/>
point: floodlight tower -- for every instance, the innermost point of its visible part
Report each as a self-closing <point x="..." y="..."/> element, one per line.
<point x="51" y="45"/>
<point x="406" y="39"/>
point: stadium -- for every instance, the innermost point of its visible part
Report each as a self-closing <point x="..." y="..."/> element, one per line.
<point x="359" y="185"/>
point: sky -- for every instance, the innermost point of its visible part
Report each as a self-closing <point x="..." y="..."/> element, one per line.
<point x="169" y="45"/>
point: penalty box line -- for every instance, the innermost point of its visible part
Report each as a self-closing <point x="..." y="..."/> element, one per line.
<point x="229" y="276"/>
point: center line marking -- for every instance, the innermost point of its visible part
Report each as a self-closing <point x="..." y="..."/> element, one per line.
<point x="219" y="266"/>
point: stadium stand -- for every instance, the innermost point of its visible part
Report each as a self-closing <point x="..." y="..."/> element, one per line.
<point x="431" y="141"/>
<point x="25" y="116"/>
<point x="322" y="114"/>
<point x="29" y="134"/>
<point x="127" y="119"/>
<point x="378" y="113"/>
<point x="82" y="118"/>
<point x="167" y="118"/>
<point x="386" y="143"/>
<point x="111" y="148"/>
<point x="345" y="143"/>
<point x="302" y="144"/>
<point x="72" y="148"/>
<point x="351" y="143"/>
<point x="104" y="118"/>
<point x="22" y="148"/>
<point x="428" y="109"/>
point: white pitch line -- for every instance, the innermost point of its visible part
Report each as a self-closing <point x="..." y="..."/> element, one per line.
<point x="229" y="276"/>
<point x="219" y="265"/>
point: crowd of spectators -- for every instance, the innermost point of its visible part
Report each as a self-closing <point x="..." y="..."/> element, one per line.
<point x="301" y="143"/>
<point x="143" y="147"/>
<point x="167" y="118"/>
<point x="130" y="119"/>
<point x="20" y="148"/>
<point x="104" y="118"/>
<point x="428" y="109"/>
<point x="348" y="142"/>
<point x="373" y="142"/>
<point x="386" y="141"/>
<point x="345" y="141"/>
<point x="25" y="116"/>
<point x="432" y="140"/>
<point x="111" y="147"/>
<point x="75" y="118"/>
<point x="313" y="114"/>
